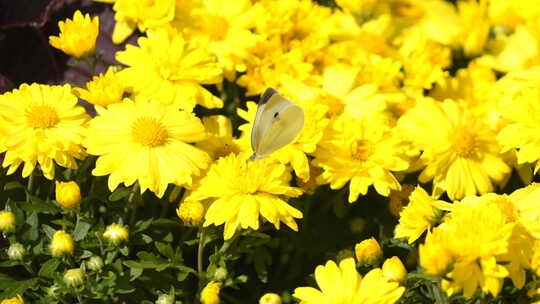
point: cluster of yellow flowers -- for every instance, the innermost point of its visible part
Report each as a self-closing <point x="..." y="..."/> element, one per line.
<point x="388" y="88"/>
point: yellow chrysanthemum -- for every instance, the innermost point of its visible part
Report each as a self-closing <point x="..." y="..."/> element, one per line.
<point x="422" y="213"/>
<point x="103" y="90"/>
<point x="474" y="25"/>
<point x="363" y="151"/>
<point x="68" y="194"/>
<point x="458" y="148"/>
<point x="344" y="285"/>
<point x="77" y="36"/>
<point x="147" y="142"/>
<point x="7" y="221"/>
<point x="61" y="243"/>
<point x="527" y="207"/>
<point x="394" y="270"/>
<point x="116" y="233"/>
<point x="242" y="191"/>
<point x="15" y="300"/>
<point x="219" y="139"/>
<point x="41" y="124"/>
<point x="74" y="277"/>
<point x="368" y="252"/>
<point x="144" y="14"/>
<point x="294" y="153"/>
<point x="169" y="69"/>
<point x="210" y="293"/>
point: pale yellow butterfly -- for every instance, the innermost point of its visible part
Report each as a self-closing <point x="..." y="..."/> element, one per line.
<point x="278" y="121"/>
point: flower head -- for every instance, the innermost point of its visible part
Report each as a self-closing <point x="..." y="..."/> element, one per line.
<point x="394" y="270"/>
<point x="74" y="277"/>
<point x="116" y="233"/>
<point x="15" y="300"/>
<point x="219" y="139"/>
<point x="62" y="243"/>
<point x="103" y="90"/>
<point x="147" y="142"/>
<point x="210" y="293"/>
<point x="343" y="284"/>
<point x="41" y="124"/>
<point x="7" y="221"/>
<point x="368" y="252"/>
<point x="68" y="194"/>
<point x="191" y="212"/>
<point x="270" y="298"/>
<point x="243" y="191"/>
<point x="168" y="68"/>
<point x="77" y="36"/>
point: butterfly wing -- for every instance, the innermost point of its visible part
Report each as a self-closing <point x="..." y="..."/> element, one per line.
<point x="257" y="129"/>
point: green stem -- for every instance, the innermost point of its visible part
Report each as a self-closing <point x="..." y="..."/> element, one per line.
<point x="30" y="186"/>
<point x="200" y="252"/>
<point x="78" y="294"/>
<point x="228" y="243"/>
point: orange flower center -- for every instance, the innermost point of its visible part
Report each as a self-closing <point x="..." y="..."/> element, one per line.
<point x="464" y="143"/>
<point x="149" y="132"/>
<point x="41" y="117"/>
<point x="361" y="149"/>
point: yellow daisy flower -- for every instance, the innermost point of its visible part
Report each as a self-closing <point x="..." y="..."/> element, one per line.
<point x="459" y="150"/>
<point x="422" y="213"/>
<point x="15" y="300"/>
<point x="344" y="284"/>
<point x="144" y="14"/>
<point x="41" y="124"/>
<point x="77" y="36"/>
<point x="147" y="142"/>
<point x="103" y="90"/>
<point x="219" y="139"/>
<point x="210" y="293"/>
<point x="169" y="69"/>
<point x="242" y="191"/>
<point x="363" y="151"/>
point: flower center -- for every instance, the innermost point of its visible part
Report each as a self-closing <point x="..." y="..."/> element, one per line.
<point x="149" y="132"/>
<point x="41" y="117"/>
<point x="464" y="143"/>
<point x="361" y="149"/>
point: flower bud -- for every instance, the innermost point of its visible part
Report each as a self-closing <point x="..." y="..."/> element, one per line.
<point x="7" y="221"/>
<point x="220" y="274"/>
<point x="394" y="270"/>
<point x="95" y="263"/>
<point x="68" y="195"/>
<point x="53" y="291"/>
<point x="270" y="298"/>
<point x="62" y="243"/>
<point x="210" y="293"/>
<point x="74" y="277"/>
<point x="116" y="233"/>
<point x="368" y="252"/>
<point x="14" y="300"/>
<point x="191" y="212"/>
<point x="16" y="251"/>
<point x="165" y="299"/>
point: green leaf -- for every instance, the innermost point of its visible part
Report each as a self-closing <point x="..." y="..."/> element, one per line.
<point x="10" y="263"/>
<point x="49" y="231"/>
<point x="32" y="234"/>
<point x="48" y="269"/>
<point x="17" y="287"/>
<point x="142" y="225"/>
<point x="38" y="205"/>
<point x="119" y="194"/>
<point x="13" y="185"/>
<point x="165" y="249"/>
<point x="80" y="231"/>
<point x="62" y="222"/>
<point x="262" y="259"/>
<point x="146" y="265"/>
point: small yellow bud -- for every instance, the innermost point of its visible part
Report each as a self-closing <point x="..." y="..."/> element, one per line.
<point x="16" y="251"/>
<point x="394" y="269"/>
<point x="62" y="243"/>
<point x="116" y="233"/>
<point x="7" y="221"/>
<point x="191" y="212"/>
<point x="68" y="194"/>
<point x="210" y="293"/>
<point x="15" y="300"/>
<point x="74" y="277"/>
<point x="368" y="252"/>
<point x="95" y="263"/>
<point x="270" y="298"/>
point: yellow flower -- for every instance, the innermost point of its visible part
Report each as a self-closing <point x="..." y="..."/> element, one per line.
<point x="167" y="68"/>
<point x="242" y="191"/>
<point x="363" y="151"/>
<point x="7" y="221"/>
<point x="103" y="90"/>
<point x="144" y="14"/>
<point x="147" y="142"/>
<point x="15" y="300"/>
<point x="435" y="256"/>
<point x="77" y="36"/>
<point x="191" y="212"/>
<point x="394" y="270"/>
<point x="62" y="243"/>
<point x="527" y="207"/>
<point x="458" y="148"/>
<point x="270" y="298"/>
<point x="422" y="213"/>
<point x="474" y="25"/>
<point x="116" y="233"/>
<point x="41" y="124"/>
<point x="344" y="284"/>
<point x="210" y="293"/>
<point x="219" y="139"/>
<point x="68" y="194"/>
<point x="74" y="277"/>
<point x="368" y="252"/>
